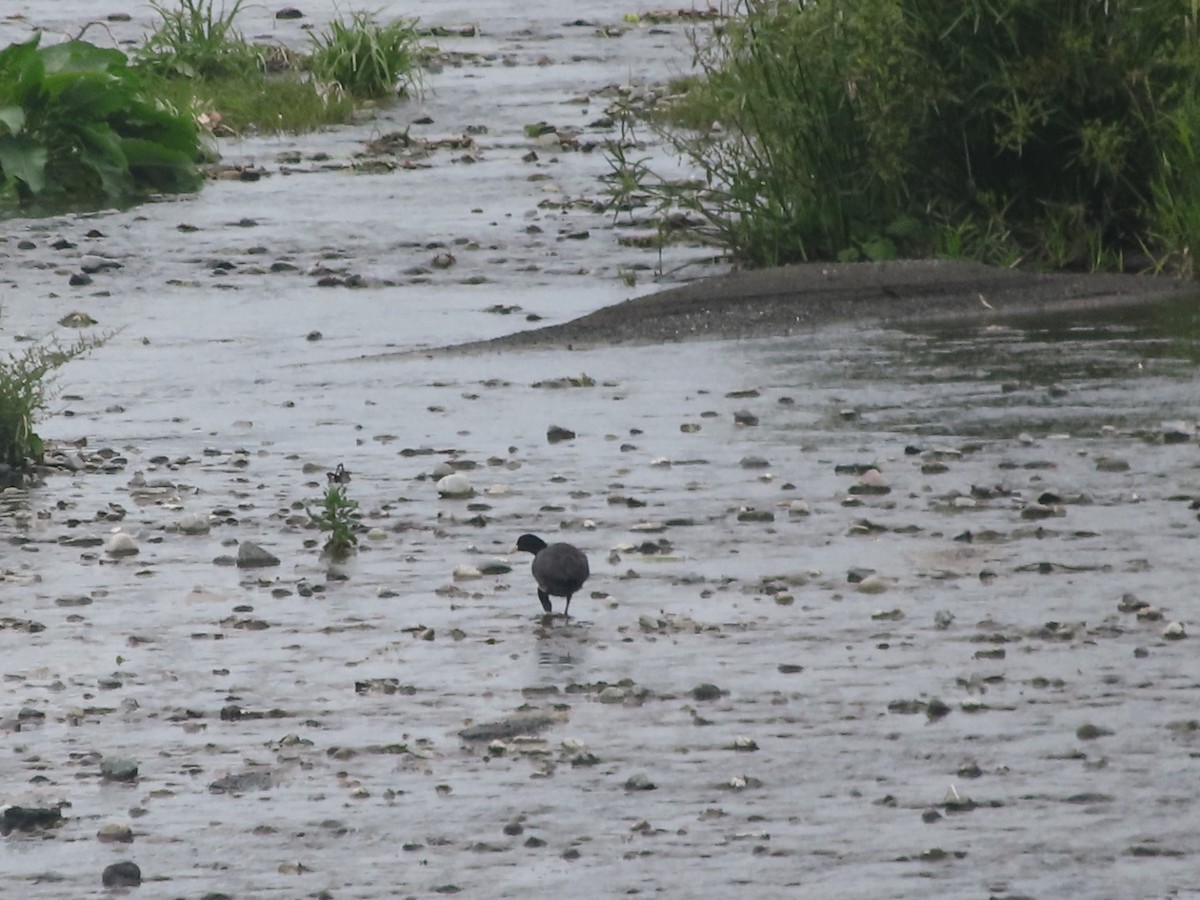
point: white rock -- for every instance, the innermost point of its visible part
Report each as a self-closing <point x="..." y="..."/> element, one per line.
<point x="872" y="584"/>
<point x="377" y="534"/>
<point x="648" y="527"/>
<point x="91" y="264"/>
<point x="466" y="573"/>
<point x="121" y="544"/>
<point x="873" y="478"/>
<point x="193" y="524"/>
<point x="455" y="485"/>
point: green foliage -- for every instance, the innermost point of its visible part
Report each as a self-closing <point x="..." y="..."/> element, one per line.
<point x="195" y="41"/>
<point x="268" y="103"/>
<point x="365" y="59"/>
<point x="25" y="388"/>
<point x="198" y="59"/>
<point x="77" y="129"/>
<point x="337" y="515"/>
<point x="1068" y="131"/>
<point x="1174" y="207"/>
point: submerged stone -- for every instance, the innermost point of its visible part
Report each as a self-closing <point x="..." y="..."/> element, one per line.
<point x="122" y="874"/>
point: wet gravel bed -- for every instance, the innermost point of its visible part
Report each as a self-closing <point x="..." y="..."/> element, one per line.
<point x="780" y="301"/>
<point x="841" y="635"/>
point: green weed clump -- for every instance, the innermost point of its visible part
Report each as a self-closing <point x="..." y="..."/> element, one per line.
<point x="366" y="59"/>
<point x="197" y="41"/>
<point x="338" y="515"/>
<point x="76" y="129"/>
<point x="1064" y="134"/>
<point x="26" y="386"/>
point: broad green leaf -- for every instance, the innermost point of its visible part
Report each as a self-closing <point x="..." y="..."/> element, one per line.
<point x="101" y="151"/>
<point x="160" y="167"/>
<point x="21" y="72"/>
<point x="13" y="118"/>
<point x="173" y="131"/>
<point x="80" y="56"/>
<point x="16" y="57"/>
<point x="23" y="158"/>
<point x="91" y="96"/>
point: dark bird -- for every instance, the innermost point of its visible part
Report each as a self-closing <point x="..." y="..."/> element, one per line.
<point x="559" y="569"/>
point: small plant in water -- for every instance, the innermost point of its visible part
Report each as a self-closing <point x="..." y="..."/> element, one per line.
<point x="337" y="515"/>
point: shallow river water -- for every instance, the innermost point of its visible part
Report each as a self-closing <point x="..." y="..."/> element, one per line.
<point x="857" y="624"/>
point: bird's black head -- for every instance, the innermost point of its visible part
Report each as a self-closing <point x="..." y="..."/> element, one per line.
<point x="531" y="543"/>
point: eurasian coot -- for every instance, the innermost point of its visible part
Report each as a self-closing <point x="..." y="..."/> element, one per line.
<point x="559" y="569"/>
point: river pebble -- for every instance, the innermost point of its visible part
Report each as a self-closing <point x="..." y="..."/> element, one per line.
<point x="119" y="768"/>
<point x="253" y="556"/>
<point x="122" y="874"/>
<point x="121" y="544"/>
<point x="640" y="782"/>
<point x="115" y="833"/>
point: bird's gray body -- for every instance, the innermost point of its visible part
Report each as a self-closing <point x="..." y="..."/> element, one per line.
<point x="559" y="569"/>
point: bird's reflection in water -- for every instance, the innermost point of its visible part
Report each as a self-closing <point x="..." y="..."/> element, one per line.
<point x="562" y="643"/>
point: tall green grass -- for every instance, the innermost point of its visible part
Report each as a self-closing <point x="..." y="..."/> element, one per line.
<point x="367" y="59"/>
<point x="198" y="40"/>
<point x="1054" y="133"/>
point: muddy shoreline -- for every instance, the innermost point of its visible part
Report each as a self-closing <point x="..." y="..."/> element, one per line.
<point x="785" y="300"/>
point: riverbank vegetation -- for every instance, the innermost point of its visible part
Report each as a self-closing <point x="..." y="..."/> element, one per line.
<point x="83" y="126"/>
<point x="77" y="127"/>
<point x="202" y="63"/>
<point x="1064" y="135"/>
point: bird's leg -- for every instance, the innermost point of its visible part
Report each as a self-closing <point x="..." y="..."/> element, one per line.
<point x="545" y="598"/>
<point x="567" y="609"/>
